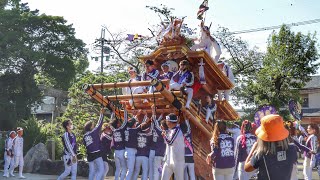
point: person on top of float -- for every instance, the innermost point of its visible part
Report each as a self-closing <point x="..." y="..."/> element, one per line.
<point x="167" y="74"/>
<point x="151" y="73"/>
<point x="183" y="80"/>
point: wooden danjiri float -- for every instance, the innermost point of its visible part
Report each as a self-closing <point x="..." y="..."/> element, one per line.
<point x="174" y="49"/>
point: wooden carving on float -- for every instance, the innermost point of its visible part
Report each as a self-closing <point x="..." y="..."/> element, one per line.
<point x="170" y="34"/>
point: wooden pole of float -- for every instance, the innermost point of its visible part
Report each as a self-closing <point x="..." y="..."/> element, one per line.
<point x="124" y="84"/>
<point x="99" y="97"/>
<point x="140" y="96"/>
<point x="149" y="111"/>
<point x="177" y="104"/>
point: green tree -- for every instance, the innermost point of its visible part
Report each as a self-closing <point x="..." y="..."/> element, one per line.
<point x="31" y="45"/>
<point x="288" y="63"/>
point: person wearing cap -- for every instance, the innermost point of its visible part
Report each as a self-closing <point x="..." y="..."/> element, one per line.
<point x="272" y="154"/>
<point x="105" y="146"/>
<point x="243" y="146"/>
<point x="222" y="153"/>
<point x="183" y="79"/>
<point x="69" y="151"/>
<point x="118" y="131"/>
<point x="149" y="74"/>
<point x="174" y="157"/>
<point x="167" y="74"/>
<point x="9" y="154"/>
<point x="227" y="71"/>
<point x="91" y="140"/>
<point x="312" y="142"/>
<point x="18" y="153"/>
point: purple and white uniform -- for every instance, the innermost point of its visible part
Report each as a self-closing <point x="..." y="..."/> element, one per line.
<point x="242" y="151"/>
<point x="70" y="150"/>
<point x="105" y="145"/>
<point x="158" y="147"/>
<point x="131" y="143"/>
<point x="105" y="148"/>
<point x="154" y="74"/>
<point x="174" y="156"/>
<point x="178" y="79"/>
<point x="189" y="161"/>
<point x="167" y="75"/>
<point x="223" y="157"/>
<point x="142" y="157"/>
<point x="91" y="140"/>
<point x="119" y="146"/>
<point x="310" y="159"/>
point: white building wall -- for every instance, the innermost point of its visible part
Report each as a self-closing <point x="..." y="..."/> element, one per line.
<point x="314" y="100"/>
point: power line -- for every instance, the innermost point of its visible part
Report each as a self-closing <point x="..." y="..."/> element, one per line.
<point x="276" y="27"/>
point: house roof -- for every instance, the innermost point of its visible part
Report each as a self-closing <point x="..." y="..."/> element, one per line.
<point x="314" y="83"/>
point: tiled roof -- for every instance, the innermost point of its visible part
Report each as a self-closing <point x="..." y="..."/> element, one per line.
<point x="314" y="83"/>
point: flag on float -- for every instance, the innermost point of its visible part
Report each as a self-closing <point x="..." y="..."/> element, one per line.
<point x="202" y="9"/>
<point x="132" y="37"/>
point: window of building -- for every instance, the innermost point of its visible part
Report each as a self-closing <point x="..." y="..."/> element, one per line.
<point x="305" y="100"/>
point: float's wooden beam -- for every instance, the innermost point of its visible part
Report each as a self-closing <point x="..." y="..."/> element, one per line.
<point x="149" y="111"/>
<point x="176" y="103"/>
<point x="124" y="84"/>
<point x="141" y="96"/>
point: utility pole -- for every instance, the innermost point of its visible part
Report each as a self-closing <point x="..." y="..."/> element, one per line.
<point x="105" y="51"/>
<point x="103" y="32"/>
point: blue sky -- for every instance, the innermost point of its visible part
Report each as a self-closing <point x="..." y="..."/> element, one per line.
<point x="131" y="16"/>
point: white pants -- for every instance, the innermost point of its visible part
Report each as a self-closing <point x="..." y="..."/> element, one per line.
<point x="121" y="165"/>
<point x="176" y="169"/>
<point x="294" y="173"/>
<point x="225" y="93"/>
<point x="151" y="164"/>
<point x="68" y="169"/>
<point x="144" y="162"/>
<point x="156" y="165"/>
<point x="242" y="174"/>
<point x="209" y="114"/>
<point x="307" y="170"/>
<point x="130" y="154"/>
<point x="106" y="168"/>
<point x="18" y="161"/>
<point x="223" y="174"/>
<point x="96" y="169"/>
<point x="8" y="161"/>
<point x="177" y="86"/>
<point x="189" y="171"/>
